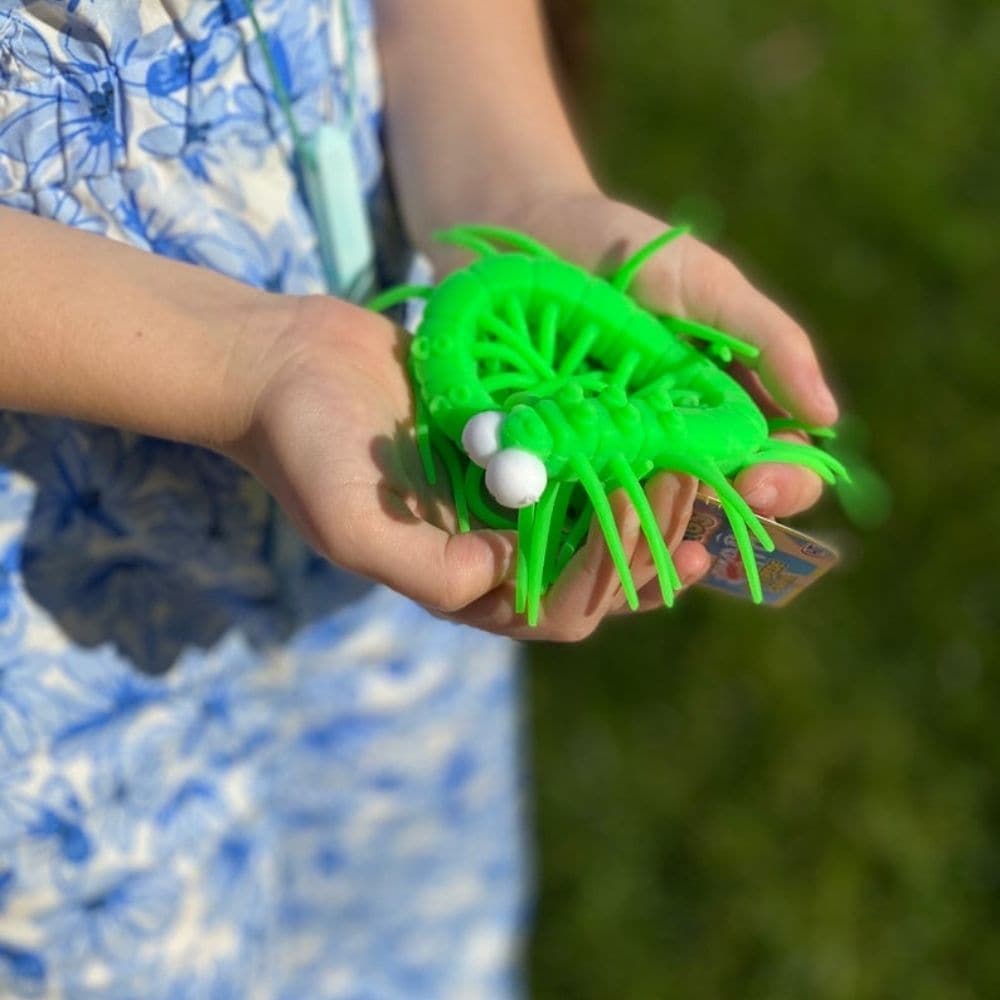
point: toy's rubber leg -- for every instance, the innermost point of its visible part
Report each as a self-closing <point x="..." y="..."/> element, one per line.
<point x="467" y="241"/>
<point x="660" y="388"/>
<point x="578" y="350"/>
<point x="514" y="357"/>
<point x="666" y="571"/>
<point x="591" y="381"/>
<point x="741" y="517"/>
<point x="450" y="460"/>
<point x="725" y="344"/>
<point x="521" y="344"/>
<point x="498" y="234"/>
<point x="478" y="507"/>
<point x="540" y="528"/>
<point x="518" y="320"/>
<point x="626" y="368"/>
<point x="739" y="514"/>
<point x="791" y="424"/>
<point x="807" y="461"/>
<point x="556" y="537"/>
<point x="506" y="380"/>
<point x="625" y="275"/>
<point x="547" y="329"/>
<point x="821" y="462"/>
<point x="574" y="538"/>
<point x="401" y="293"/>
<point x="731" y="499"/>
<point x="745" y="547"/>
<point x="422" y="432"/>
<point x="728" y="494"/>
<point x="525" y="517"/>
<point x="606" y="518"/>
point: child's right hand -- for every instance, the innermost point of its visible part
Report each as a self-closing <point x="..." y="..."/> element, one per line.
<point x="331" y="437"/>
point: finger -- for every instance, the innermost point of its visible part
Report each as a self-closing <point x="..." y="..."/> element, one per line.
<point x="578" y="601"/>
<point x="717" y="291"/>
<point x="494" y="612"/>
<point x="751" y="381"/>
<point x="779" y="489"/>
<point x="671" y="496"/>
<point x="590" y="584"/>
<point x="589" y="588"/>
<point x="692" y="561"/>
<point x="707" y="287"/>
<point x="419" y="560"/>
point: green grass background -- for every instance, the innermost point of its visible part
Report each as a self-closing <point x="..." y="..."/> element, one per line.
<point x="738" y="803"/>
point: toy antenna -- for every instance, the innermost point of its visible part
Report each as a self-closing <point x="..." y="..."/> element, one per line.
<point x="625" y="275"/>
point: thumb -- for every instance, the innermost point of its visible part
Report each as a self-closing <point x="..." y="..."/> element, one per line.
<point x="432" y="567"/>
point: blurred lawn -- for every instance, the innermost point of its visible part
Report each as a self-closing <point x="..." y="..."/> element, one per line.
<point x="735" y="803"/>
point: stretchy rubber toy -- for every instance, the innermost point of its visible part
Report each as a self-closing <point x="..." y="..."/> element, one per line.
<point x="563" y="388"/>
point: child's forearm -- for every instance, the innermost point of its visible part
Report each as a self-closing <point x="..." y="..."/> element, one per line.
<point x="102" y="332"/>
<point x="475" y="123"/>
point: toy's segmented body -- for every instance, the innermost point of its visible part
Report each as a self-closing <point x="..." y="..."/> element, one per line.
<point x="564" y="388"/>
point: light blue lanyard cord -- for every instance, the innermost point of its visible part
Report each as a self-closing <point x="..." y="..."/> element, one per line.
<point x="347" y="26"/>
<point x="330" y="176"/>
<point x="284" y="101"/>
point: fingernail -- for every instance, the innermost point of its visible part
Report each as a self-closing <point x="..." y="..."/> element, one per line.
<point x="825" y="399"/>
<point x="690" y="577"/>
<point x="762" y="496"/>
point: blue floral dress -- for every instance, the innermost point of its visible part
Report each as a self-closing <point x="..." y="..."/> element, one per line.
<point x="227" y="769"/>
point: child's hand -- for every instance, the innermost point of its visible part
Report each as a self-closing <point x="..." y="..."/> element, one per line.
<point x="473" y="80"/>
<point x="331" y="437"/>
<point x="689" y="279"/>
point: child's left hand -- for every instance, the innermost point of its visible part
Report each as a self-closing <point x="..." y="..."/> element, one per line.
<point x="689" y="279"/>
<point x="477" y="133"/>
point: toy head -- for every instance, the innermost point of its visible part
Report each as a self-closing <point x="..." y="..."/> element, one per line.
<point x="512" y="448"/>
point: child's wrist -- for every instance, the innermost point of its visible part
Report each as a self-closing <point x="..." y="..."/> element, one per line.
<point x="261" y="331"/>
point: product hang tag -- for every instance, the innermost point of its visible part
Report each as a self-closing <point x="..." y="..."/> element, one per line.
<point x="340" y="212"/>
<point x="797" y="561"/>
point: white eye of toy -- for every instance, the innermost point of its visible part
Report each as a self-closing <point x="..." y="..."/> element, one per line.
<point x="481" y="436"/>
<point x="516" y="478"/>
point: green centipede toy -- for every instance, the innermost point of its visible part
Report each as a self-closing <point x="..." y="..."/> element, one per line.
<point x="543" y="388"/>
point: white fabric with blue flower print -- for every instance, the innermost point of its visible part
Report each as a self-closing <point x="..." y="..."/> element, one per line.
<point x="227" y="770"/>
